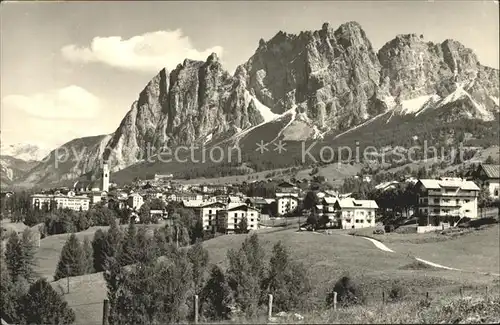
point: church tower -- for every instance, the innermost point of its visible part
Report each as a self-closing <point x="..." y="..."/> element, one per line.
<point x="105" y="177"/>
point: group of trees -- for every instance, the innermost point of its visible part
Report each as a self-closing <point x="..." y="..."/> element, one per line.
<point x="24" y="299"/>
<point x="162" y="290"/>
<point x="135" y="244"/>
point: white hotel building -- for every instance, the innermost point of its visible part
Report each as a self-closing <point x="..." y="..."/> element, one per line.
<point x="439" y="199"/>
<point x="60" y="201"/>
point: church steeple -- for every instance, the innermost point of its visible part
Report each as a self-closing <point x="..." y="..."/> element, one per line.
<point x="105" y="176"/>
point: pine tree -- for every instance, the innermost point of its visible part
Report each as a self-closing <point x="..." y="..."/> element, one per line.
<point x="106" y="245"/>
<point x="149" y="293"/>
<point x="29" y="247"/>
<point x="98" y="250"/>
<point x="8" y="301"/>
<point x="287" y="280"/>
<point x="89" y="255"/>
<point x="16" y="258"/>
<point x="243" y="226"/>
<point x="13" y="255"/>
<point x="245" y="285"/>
<point x="114" y="237"/>
<point x="216" y="296"/>
<point x="146" y="246"/>
<point x="72" y="259"/>
<point x="246" y="274"/>
<point x="160" y="242"/>
<point x="198" y="256"/>
<point x="128" y="252"/>
<point x="43" y="305"/>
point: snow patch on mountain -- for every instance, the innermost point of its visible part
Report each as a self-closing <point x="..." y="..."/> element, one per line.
<point x="412" y="106"/>
<point x="265" y="111"/>
<point x="494" y="99"/>
<point x="459" y="93"/>
<point x="208" y="138"/>
<point x="390" y="102"/>
<point x="429" y="104"/>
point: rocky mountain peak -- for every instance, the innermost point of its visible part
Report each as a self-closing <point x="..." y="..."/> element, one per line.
<point x="313" y="83"/>
<point x="212" y="58"/>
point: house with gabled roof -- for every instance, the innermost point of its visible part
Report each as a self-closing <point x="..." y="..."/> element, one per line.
<point x="446" y="199"/>
<point x="352" y="213"/>
<point x="489" y="176"/>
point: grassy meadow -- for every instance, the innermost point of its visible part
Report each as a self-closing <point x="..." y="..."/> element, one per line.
<point x="327" y="258"/>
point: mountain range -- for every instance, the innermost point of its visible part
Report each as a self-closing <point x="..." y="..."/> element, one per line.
<point x="328" y="85"/>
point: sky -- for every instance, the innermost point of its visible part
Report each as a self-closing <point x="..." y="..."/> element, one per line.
<point x="73" y="69"/>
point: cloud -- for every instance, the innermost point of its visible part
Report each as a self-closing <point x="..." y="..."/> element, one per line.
<point x="148" y="52"/>
<point x="71" y="102"/>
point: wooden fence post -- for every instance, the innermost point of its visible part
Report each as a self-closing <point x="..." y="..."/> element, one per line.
<point x="196" y="309"/>
<point x="270" y="308"/>
<point x="67" y="277"/>
<point x="383" y="297"/>
<point x="334" y="300"/>
<point x="105" y="312"/>
<point x="427" y="295"/>
<point x="461" y="294"/>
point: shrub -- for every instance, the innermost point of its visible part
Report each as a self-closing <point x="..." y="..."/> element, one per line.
<point x="397" y="292"/>
<point x="379" y="231"/>
<point x="348" y="293"/>
<point x="389" y="228"/>
<point x="406" y="230"/>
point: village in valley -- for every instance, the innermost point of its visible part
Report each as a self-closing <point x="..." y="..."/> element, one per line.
<point x="429" y="205"/>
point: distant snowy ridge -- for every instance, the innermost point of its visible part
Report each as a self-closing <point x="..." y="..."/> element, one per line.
<point x="24" y="151"/>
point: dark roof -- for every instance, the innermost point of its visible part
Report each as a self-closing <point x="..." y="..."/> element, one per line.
<point x="492" y="171"/>
<point x="285" y="184"/>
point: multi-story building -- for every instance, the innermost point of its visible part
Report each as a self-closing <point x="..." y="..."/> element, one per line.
<point x="446" y="200"/>
<point x="60" y="201"/>
<point x="287" y="198"/>
<point x="206" y="211"/>
<point x="352" y="213"/>
<point x="135" y="201"/>
<point x="229" y="218"/>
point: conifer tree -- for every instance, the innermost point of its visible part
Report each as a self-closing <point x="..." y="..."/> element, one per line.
<point x="72" y="259"/>
<point x="14" y="256"/>
<point x="20" y="256"/>
<point x="198" y="256"/>
<point x="7" y="299"/>
<point x="216" y="296"/>
<point x="29" y="247"/>
<point x="287" y="280"/>
<point x="99" y="250"/>
<point x="43" y="305"/>
<point x="146" y="246"/>
<point x="89" y="255"/>
<point x="128" y="252"/>
<point x="246" y="273"/>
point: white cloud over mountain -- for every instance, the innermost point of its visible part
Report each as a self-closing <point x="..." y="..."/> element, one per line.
<point x="148" y="52"/>
<point x="71" y="102"/>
